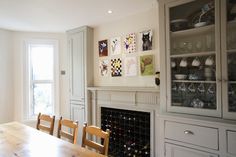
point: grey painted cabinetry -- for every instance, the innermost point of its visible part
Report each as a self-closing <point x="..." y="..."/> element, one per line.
<point x="80" y="43"/>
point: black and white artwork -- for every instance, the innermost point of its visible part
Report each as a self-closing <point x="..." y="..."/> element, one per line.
<point x="146" y="40"/>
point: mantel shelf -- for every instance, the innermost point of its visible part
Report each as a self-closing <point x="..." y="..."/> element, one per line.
<point x="128" y="89"/>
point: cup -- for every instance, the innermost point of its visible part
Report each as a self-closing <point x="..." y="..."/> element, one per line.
<point x="196" y="62"/>
<point x="183" y="63"/>
<point x="209" y="61"/>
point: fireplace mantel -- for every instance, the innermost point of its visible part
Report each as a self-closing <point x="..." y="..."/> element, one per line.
<point x="127" y="98"/>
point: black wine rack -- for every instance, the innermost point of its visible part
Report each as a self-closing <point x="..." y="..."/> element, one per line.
<point x="130" y="132"/>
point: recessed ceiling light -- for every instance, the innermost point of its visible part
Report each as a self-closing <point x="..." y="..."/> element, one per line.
<point x="109" y="11"/>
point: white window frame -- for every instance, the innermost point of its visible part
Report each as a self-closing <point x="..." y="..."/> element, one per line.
<point x="27" y="79"/>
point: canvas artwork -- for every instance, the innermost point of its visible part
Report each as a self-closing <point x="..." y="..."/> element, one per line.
<point x="146" y="40"/>
<point x="116" y="67"/>
<point x="103" y="67"/>
<point x="130" y="66"/>
<point x="115" y="48"/>
<point x="147" y="65"/>
<point x="130" y="43"/>
<point x="103" y="48"/>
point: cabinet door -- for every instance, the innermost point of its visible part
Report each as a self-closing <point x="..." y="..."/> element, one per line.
<point x="178" y="151"/>
<point x="78" y="114"/>
<point x="193" y="57"/>
<point x="76" y="48"/>
<point x="229" y="57"/>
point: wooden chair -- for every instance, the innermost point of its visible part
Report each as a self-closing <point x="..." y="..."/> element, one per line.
<point x="70" y="125"/>
<point x="43" y="118"/>
<point x="93" y="130"/>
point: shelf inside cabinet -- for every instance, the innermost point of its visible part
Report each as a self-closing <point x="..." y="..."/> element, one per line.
<point x="232" y="82"/>
<point x="192" y="81"/>
<point x="207" y="53"/>
<point x="193" y="31"/>
<point x="231" y="51"/>
<point x="231" y="23"/>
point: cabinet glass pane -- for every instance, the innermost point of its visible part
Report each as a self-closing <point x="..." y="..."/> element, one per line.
<point x="192" y="55"/>
<point x="192" y="27"/>
<point x="232" y="82"/>
<point x="231" y="53"/>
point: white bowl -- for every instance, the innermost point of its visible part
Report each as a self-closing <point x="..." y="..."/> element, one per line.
<point x="180" y="76"/>
<point x="200" y="24"/>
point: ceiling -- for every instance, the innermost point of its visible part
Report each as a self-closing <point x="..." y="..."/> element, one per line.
<point x="62" y="15"/>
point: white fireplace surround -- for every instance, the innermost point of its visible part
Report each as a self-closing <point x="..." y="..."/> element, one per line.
<point x="127" y="98"/>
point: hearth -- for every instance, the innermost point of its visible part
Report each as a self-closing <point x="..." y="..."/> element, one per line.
<point x="130" y="132"/>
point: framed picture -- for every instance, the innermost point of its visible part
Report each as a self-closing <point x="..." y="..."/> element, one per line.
<point x="146" y="38"/>
<point x="130" y="66"/>
<point x="147" y="65"/>
<point x="116" y="67"/>
<point x="103" y="67"/>
<point x="103" y="48"/>
<point x="130" y="43"/>
<point x="115" y="47"/>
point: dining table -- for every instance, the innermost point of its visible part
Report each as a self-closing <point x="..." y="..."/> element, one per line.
<point x="19" y="140"/>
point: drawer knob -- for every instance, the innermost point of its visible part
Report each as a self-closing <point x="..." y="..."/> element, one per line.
<point x="188" y="132"/>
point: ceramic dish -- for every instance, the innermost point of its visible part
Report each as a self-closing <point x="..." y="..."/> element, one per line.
<point x="178" y="24"/>
<point x="200" y="24"/>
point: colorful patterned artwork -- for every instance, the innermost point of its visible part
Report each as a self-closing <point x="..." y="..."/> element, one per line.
<point x="147" y="65"/>
<point x="146" y="40"/>
<point x="116" y="67"/>
<point x="115" y="48"/>
<point x="103" y="48"/>
<point x="130" y="66"/>
<point x="103" y="67"/>
<point x="130" y="43"/>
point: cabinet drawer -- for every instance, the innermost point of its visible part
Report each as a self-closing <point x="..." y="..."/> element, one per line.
<point x="192" y="134"/>
<point x="231" y="142"/>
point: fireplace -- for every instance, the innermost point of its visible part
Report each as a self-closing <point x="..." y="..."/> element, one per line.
<point x="130" y="132"/>
<point x="130" y="113"/>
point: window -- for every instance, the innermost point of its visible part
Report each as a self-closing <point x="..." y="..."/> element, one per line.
<point x="41" y="78"/>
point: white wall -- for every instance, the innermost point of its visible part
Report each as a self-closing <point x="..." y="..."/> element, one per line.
<point x="18" y="59"/>
<point x="136" y="24"/>
<point x="6" y="79"/>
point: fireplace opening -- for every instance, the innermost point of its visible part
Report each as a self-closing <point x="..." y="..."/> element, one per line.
<point x="130" y="132"/>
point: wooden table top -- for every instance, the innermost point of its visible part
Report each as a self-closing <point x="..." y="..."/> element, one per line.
<point x="19" y="140"/>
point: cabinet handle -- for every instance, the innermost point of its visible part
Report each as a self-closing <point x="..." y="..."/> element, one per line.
<point x="188" y="132"/>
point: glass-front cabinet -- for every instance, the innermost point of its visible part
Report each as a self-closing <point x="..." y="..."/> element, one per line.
<point x="194" y="57"/>
<point x="228" y="32"/>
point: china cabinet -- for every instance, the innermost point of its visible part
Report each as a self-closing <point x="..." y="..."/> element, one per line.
<point x="200" y="57"/>
<point x="198" y="96"/>
<point x="228" y="33"/>
<point x="81" y="71"/>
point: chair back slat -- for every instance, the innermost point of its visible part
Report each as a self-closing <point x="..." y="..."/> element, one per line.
<point x="98" y="132"/>
<point x="45" y="118"/>
<point x="73" y="126"/>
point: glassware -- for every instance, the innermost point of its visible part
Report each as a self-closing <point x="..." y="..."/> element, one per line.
<point x="192" y="88"/>
<point x="174" y="87"/>
<point x="231" y="90"/>
<point x="182" y="87"/>
<point x="189" y="47"/>
<point x="211" y="89"/>
<point x="201" y="88"/>
<point x="197" y="103"/>
<point x="198" y="45"/>
<point x="208" y="42"/>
